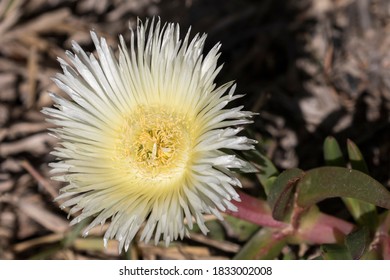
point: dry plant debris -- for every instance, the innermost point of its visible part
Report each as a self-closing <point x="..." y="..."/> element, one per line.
<point x="311" y="68"/>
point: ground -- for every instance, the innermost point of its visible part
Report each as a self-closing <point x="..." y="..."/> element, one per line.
<point x="309" y="68"/>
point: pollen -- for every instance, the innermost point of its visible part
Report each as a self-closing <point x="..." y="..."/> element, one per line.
<point x="154" y="141"/>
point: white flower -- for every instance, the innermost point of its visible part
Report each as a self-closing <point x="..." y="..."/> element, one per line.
<point x="143" y="137"/>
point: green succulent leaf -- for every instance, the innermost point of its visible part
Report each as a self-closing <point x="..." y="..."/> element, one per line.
<point x="262" y="245"/>
<point x="335" y="252"/>
<point x="332" y="152"/>
<point x="265" y="168"/>
<point x="356" y="158"/>
<point x="356" y="245"/>
<point x="357" y="242"/>
<point x="326" y="182"/>
<point x="364" y="213"/>
<point x="241" y="229"/>
<point x="75" y="232"/>
<point x="281" y="195"/>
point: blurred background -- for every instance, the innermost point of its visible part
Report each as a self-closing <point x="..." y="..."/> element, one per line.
<point x="311" y="68"/>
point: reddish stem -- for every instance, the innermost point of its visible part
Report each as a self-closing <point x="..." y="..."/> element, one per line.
<point x="386" y="248"/>
<point x="325" y="229"/>
<point x="318" y="230"/>
<point x="256" y="211"/>
<point x="382" y="239"/>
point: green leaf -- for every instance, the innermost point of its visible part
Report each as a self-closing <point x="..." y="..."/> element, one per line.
<point x="325" y="182"/>
<point x="288" y="254"/>
<point x="263" y="245"/>
<point x="265" y="168"/>
<point x="332" y="152"/>
<point x="319" y="228"/>
<point x="364" y="213"/>
<point x="357" y="242"/>
<point x="356" y="158"/>
<point x="75" y="232"/>
<point x="356" y="245"/>
<point x="372" y="254"/>
<point x="335" y="252"/>
<point x="241" y="229"/>
<point x="217" y="231"/>
<point x="281" y="195"/>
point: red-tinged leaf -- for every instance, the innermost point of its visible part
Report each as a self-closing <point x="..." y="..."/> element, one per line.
<point x="382" y="238"/>
<point x="319" y="228"/>
<point x="316" y="227"/>
<point x="281" y="195"/>
<point x="325" y="182"/>
<point x="386" y="248"/>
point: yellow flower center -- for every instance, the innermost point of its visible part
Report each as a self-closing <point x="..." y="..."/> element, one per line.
<point x="154" y="143"/>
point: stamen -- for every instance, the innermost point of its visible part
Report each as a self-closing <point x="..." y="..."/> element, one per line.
<point x="154" y="141"/>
